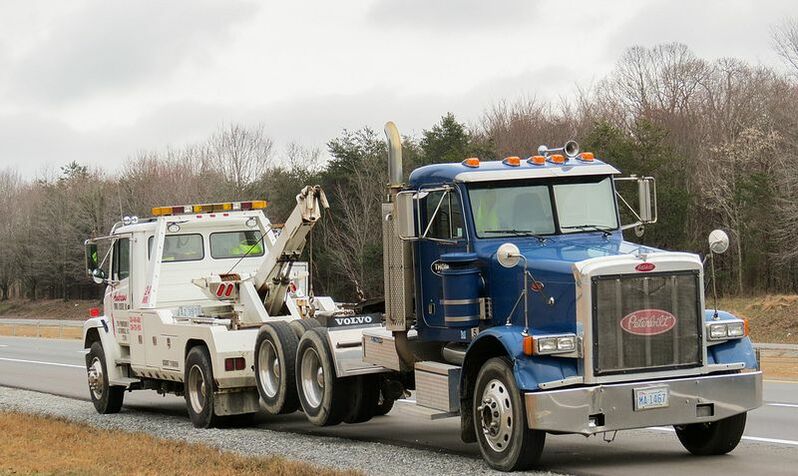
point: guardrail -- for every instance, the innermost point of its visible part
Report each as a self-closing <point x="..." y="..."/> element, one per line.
<point x="50" y="328"/>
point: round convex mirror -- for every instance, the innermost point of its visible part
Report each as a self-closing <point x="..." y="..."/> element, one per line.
<point x="718" y="241"/>
<point x="508" y="255"/>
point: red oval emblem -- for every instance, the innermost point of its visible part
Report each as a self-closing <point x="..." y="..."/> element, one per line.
<point x="645" y="267"/>
<point x="648" y="322"/>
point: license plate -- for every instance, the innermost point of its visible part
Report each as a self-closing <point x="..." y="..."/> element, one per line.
<point x="651" y="397"/>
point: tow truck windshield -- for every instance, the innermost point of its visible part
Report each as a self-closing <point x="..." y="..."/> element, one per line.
<point x="537" y="209"/>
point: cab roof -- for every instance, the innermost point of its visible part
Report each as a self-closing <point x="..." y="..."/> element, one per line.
<point x="496" y="170"/>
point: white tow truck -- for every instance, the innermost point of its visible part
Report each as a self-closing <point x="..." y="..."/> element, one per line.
<point x="188" y="293"/>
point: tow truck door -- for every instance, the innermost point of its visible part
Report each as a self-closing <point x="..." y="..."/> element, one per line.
<point x="118" y="296"/>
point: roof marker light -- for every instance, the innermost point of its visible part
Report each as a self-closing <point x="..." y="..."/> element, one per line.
<point x="557" y="159"/>
<point x="512" y="161"/>
<point x="472" y="162"/>
<point x="537" y="160"/>
<point x="586" y="157"/>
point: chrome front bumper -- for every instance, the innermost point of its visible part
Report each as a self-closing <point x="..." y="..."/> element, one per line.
<point x="600" y="408"/>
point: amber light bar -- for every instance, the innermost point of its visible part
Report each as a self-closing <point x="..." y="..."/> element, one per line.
<point x="209" y="208"/>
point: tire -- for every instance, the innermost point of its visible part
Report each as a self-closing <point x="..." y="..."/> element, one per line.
<point x="275" y="360"/>
<point x="105" y="397"/>
<point x="384" y="405"/>
<point x="715" y="438"/>
<point x="323" y="396"/>
<point x="199" y="388"/>
<point x="364" y="399"/>
<point x="301" y="325"/>
<point x="504" y="440"/>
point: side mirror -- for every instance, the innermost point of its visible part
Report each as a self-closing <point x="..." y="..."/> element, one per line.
<point x="98" y="276"/>
<point x="718" y="241"/>
<point x="647" y="190"/>
<point x="93" y="267"/>
<point x="404" y="214"/>
<point x="508" y="255"/>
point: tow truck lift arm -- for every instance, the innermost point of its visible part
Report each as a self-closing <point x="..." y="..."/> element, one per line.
<point x="272" y="277"/>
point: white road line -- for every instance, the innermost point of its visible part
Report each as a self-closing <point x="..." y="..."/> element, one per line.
<point x="748" y="438"/>
<point x="55" y="364"/>
<point x="788" y="405"/>
<point x="3" y="345"/>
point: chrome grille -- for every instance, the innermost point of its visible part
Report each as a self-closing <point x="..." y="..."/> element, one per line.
<point x="646" y="322"/>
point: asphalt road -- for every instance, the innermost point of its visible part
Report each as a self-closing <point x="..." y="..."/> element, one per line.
<point x="770" y="444"/>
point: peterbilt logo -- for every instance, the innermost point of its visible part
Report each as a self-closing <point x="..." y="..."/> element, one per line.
<point x="648" y="322"/>
<point x="644" y="267"/>
<point x="353" y="320"/>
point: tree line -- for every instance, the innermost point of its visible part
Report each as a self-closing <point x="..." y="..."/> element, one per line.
<point x="720" y="136"/>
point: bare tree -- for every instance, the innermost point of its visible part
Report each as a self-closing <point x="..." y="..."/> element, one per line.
<point x="241" y="154"/>
<point x="785" y="41"/>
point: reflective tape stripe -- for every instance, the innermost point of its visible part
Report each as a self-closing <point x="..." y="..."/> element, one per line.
<point x="461" y="318"/>
<point x="459" y="302"/>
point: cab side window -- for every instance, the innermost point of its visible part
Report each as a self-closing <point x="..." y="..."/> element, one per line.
<point x="121" y="259"/>
<point x="443" y="216"/>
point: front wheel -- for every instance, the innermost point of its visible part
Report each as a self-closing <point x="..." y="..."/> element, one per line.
<point x="504" y="440"/>
<point x="714" y="438"/>
<point x="105" y="397"/>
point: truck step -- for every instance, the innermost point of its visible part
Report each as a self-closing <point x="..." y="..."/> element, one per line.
<point x="436" y="386"/>
<point x="122" y="361"/>
<point x="426" y="413"/>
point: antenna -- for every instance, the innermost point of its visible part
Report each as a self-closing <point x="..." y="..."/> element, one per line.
<point x="119" y="197"/>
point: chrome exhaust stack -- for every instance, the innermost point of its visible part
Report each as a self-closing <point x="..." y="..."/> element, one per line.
<point x="394" y="156"/>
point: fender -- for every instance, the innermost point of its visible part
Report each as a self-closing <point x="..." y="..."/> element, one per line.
<point x="112" y="349"/>
<point x="733" y="350"/>
<point x="529" y="371"/>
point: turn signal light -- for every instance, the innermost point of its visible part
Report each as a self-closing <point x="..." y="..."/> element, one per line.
<point x="529" y="345"/>
<point x="472" y="162"/>
<point x="558" y="159"/>
<point x="537" y="160"/>
<point x="512" y="161"/>
<point x="94" y="312"/>
<point x="586" y="156"/>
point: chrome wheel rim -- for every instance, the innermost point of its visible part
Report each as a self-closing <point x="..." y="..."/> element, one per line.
<point x="495" y="414"/>
<point x="312" y="378"/>
<point x="96" y="382"/>
<point x="268" y="368"/>
<point x="196" y="388"/>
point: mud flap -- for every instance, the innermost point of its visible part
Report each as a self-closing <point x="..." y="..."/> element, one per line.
<point x="236" y="403"/>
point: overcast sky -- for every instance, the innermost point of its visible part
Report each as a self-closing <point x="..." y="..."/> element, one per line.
<point x="97" y="80"/>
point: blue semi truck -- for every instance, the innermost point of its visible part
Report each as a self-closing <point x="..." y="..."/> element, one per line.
<point x="514" y="301"/>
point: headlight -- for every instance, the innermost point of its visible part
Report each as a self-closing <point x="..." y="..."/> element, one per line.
<point x="722" y="330"/>
<point x="557" y="344"/>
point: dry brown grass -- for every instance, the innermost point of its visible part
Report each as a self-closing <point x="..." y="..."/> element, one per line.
<point x="47" y="309"/>
<point x="33" y="444"/>
<point x="773" y="319"/>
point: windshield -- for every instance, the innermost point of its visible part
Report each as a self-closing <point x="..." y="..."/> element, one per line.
<point x="528" y="207"/>
<point x="585" y="206"/>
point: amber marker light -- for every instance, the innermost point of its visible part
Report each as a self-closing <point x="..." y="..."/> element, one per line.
<point x="512" y="161"/>
<point x="472" y="162"/>
<point x="529" y="345"/>
<point x="587" y="156"/>
<point x="558" y="159"/>
<point x="537" y="160"/>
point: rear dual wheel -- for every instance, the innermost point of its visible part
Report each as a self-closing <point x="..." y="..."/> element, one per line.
<point x="325" y="399"/>
<point x="275" y="365"/>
